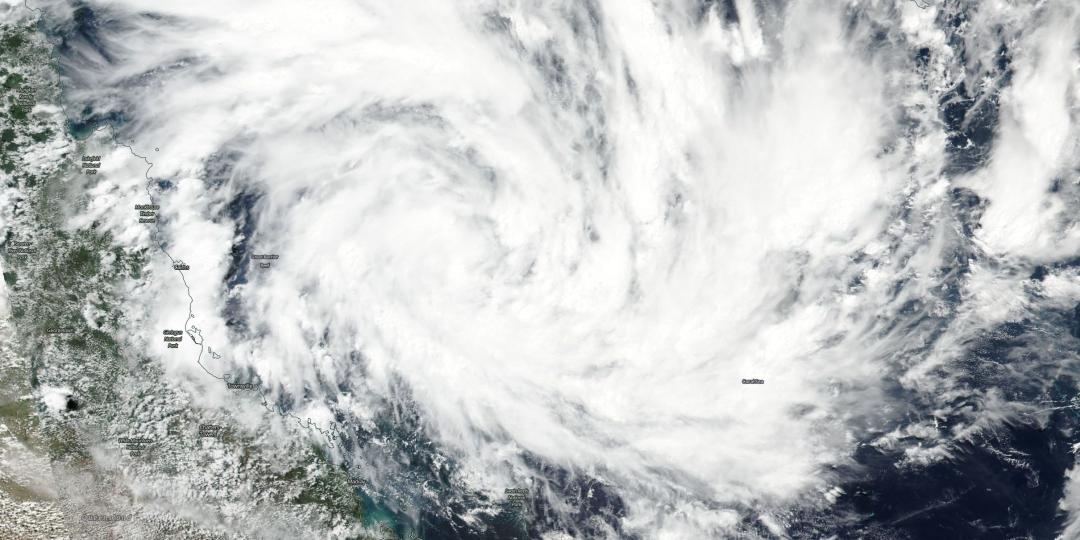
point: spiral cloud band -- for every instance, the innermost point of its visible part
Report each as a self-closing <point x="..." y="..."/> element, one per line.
<point x="700" y="256"/>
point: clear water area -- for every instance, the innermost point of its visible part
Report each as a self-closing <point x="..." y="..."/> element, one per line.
<point x="88" y="121"/>
<point x="1006" y="482"/>
<point x="444" y="525"/>
<point x="979" y="495"/>
<point x="590" y="509"/>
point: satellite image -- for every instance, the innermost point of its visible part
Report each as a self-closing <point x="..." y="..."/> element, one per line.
<point x="540" y="269"/>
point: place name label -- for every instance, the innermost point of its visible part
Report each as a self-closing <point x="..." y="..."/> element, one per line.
<point x="135" y="445"/>
<point x="22" y="248"/>
<point x="265" y="258"/>
<point x="90" y="164"/>
<point x="517" y="497"/>
<point x="180" y="265"/>
<point x="753" y="381"/>
<point x="147" y="212"/>
<point x="26" y="98"/>
<point x="213" y="431"/>
<point x="106" y="517"/>
<point x="172" y="338"/>
<point x="240" y="386"/>
<point x="59" y="330"/>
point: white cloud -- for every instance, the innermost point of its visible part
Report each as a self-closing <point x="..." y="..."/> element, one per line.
<point x="560" y="261"/>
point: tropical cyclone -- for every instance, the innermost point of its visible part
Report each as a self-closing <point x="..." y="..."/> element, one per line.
<point x="564" y="245"/>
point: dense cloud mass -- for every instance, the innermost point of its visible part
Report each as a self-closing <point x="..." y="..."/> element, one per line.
<point x="547" y="244"/>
